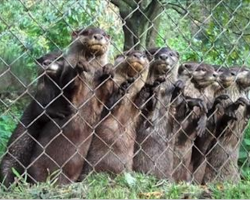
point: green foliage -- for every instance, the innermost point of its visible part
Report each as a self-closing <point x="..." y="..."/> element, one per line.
<point x="244" y="160"/>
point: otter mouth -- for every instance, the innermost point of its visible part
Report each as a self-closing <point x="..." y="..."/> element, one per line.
<point x="204" y="81"/>
<point x="52" y="68"/>
<point x="226" y="84"/>
<point x="137" y="66"/>
<point x="97" y="49"/>
<point x="96" y="46"/>
<point x="161" y="62"/>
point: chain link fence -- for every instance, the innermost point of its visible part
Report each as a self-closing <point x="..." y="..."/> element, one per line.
<point x="156" y="87"/>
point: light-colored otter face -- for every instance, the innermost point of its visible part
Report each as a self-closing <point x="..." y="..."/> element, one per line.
<point x="187" y="69"/>
<point x="242" y="76"/>
<point x="51" y="63"/>
<point x="165" y="60"/>
<point x="226" y="77"/>
<point x="205" y="75"/>
<point x="137" y="62"/>
<point x="95" y="40"/>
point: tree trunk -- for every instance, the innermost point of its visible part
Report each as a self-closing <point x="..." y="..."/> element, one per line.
<point x="141" y="23"/>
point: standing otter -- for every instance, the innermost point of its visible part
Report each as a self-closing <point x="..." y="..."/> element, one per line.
<point x="49" y="103"/>
<point x="224" y="151"/>
<point x="152" y="153"/>
<point x="112" y="147"/>
<point x="201" y="86"/>
<point x="64" y="145"/>
<point x="226" y="79"/>
<point x="223" y="154"/>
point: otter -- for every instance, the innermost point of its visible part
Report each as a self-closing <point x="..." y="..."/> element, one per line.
<point x="227" y="142"/>
<point x="63" y="145"/>
<point x="222" y="156"/>
<point x="201" y="85"/>
<point x="225" y="78"/>
<point x="243" y="78"/>
<point x="90" y="44"/>
<point x="112" y="147"/>
<point x="186" y="69"/>
<point x="188" y="116"/>
<point x="153" y="154"/>
<point x="49" y="103"/>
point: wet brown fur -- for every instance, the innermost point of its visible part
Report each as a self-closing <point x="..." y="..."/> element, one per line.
<point x="153" y="138"/>
<point x="113" y="144"/>
<point x="48" y="104"/>
<point x="66" y="147"/>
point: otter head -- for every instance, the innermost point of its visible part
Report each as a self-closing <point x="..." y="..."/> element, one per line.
<point x="137" y="62"/>
<point x="205" y="75"/>
<point x="186" y="69"/>
<point x="242" y="76"/>
<point x="95" y="40"/>
<point x="226" y="77"/>
<point x="163" y="59"/>
<point x="52" y="63"/>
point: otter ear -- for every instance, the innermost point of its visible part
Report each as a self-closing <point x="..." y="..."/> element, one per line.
<point x="108" y="36"/>
<point x="178" y="55"/>
<point x="40" y="60"/>
<point x="75" y="34"/>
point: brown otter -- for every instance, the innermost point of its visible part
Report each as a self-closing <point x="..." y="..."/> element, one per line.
<point x="227" y="141"/>
<point x="153" y="153"/>
<point x="201" y="85"/>
<point x="49" y="103"/>
<point x="223" y="154"/>
<point x="112" y="147"/>
<point x="63" y="145"/>
<point x="226" y="79"/>
<point x="242" y="78"/>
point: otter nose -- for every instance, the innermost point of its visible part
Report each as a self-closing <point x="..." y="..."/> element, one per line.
<point x="47" y="62"/>
<point x="97" y="37"/>
<point x="163" y="57"/>
<point x="216" y="74"/>
<point x="233" y="73"/>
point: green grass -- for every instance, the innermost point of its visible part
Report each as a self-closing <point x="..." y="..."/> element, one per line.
<point x="126" y="186"/>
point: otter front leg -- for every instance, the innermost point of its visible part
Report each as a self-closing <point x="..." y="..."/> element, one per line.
<point x="202" y="122"/>
<point x="178" y="88"/>
<point x="147" y="92"/>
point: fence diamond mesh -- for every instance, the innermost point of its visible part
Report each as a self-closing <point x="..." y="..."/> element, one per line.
<point x="156" y="87"/>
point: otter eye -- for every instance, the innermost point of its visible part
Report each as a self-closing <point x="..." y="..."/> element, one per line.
<point x="202" y="70"/>
<point x="233" y="73"/>
<point x="171" y="54"/>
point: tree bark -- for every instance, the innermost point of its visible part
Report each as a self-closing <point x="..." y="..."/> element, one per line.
<point x="142" y="20"/>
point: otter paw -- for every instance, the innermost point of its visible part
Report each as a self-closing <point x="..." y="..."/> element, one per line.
<point x="242" y="101"/>
<point x="131" y="80"/>
<point x="222" y="97"/>
<point x="83" y="65"/>
<point x="158" y="81"/>
<point x="108" y="70"/>
<point x="201" y="128"/>
<point x="179" y="84"/>
<point x="231" y="114"/>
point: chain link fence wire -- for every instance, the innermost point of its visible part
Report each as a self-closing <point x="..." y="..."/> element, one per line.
<point x="157" y="87"/>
